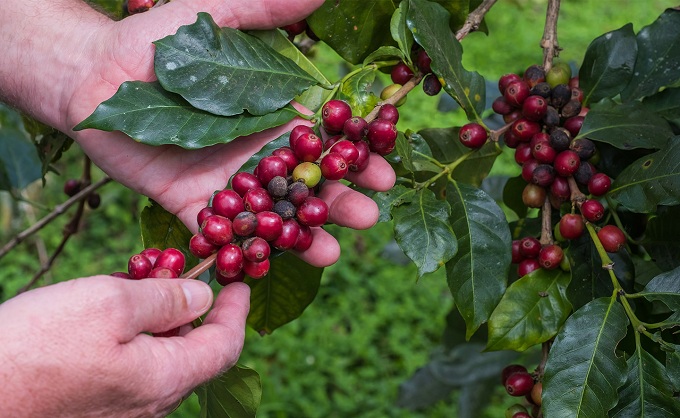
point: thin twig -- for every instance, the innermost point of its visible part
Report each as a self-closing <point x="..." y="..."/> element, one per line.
<point x="551" y="48"/>
<point x="474" y="19"/>
<point x="398" y="95"/>
<point x="200" y="268"/>
<point x="57" y="211"/>
<point x="546" y="224"/>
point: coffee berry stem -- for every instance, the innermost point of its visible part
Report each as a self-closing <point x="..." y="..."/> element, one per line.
<point x="398" y="95"/>
<point x="545" y="351"/>
<point x="577" y="197"/>
<point x="495" y="135"/>
<point x="546" y="223"/>
<point x="607" y="262"/>
<point x="200" y="268"/>
<point x="446" y="170"/>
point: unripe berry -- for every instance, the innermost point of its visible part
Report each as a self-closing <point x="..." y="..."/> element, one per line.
<point x="560" y="73"/>
<point x="390" y="91"/>
<point x="308" y="173"/>
<point x="334" y="114"/>
<point x="312" y="212"/>
<point x="515" y="409"/>
<point x="537" y="394"/>
<point x="227" y="203"/>
<point x="171" y="258"/>
<point x="217" y="229"/>
<point x="533" y="196"/>
<point x="473" y="135"/>
<point x="612" y="238"/>
<point x="401" y="73"/>
<point x="592" y="210"/>
<point x="571" y="226"/>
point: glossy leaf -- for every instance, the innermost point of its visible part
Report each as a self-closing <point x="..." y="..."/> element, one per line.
<point x="355" y="91"/>
<point x="589" y="281"/>
<point x="446" y="148"/>
<point x="665" y="288"/>
<point x="477" y="274"/>
<point x="415" y="154"/>
<point x="283" y="294"/>
<point x="225" y="71"/>
<point x="429" y="24"/>
<point x="422" y="230"/>
<point x="19" y="159"/>
<point x="647" y="392"/>
<point x="400" y="32"/>
<point x="353" y="30"/>
<point x="583" y="372"/>
<point x="625" y="126"/>
<point x="512" y="195"/>
<point x="392" y="198"/>
<point x="658" y="57"/>
<point x="608" y="64"/>
<point x="234" y="394"/>
<point x="650" y="181"/>
<point x="666" y="104"/>
<point x="661" y="238"/>
<point x="161" y="229"/>
<point x="385" y="53"/>
<point x="153" y="116"/>
<point x="531" y="311"/>
<point x="673" y="367"/>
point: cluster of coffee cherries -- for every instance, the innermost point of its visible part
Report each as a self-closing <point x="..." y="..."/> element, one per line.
<point x="73" y="186"/>
<point x="544" y="115"/>
<point x="402" y="73"/>
<point x="153" y="263"/>
<point x="519" y="382"/>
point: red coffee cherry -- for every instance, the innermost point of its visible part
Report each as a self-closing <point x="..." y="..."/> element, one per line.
<point x="334" y="114"/>
<point x="560" y="188"/>
<point x="204" y="213"/>
<point x="510" y="370"/>
<point x="423" y="61"/>
<point x="550" y="256"/>
<point x="313" y="212"/>
<point x="296" y="28"/>
<point x="347" y="149"/>
<point x="566" y="163"/>
<point x="289" y="235"/>
<point x="519" y="384"/>
<point x="304" y="239"/>
<point x="571" y="226"/>
<point x="171" y="258"/>
<point x="525" y="129"/>
<point x="401" y="73"/>
<point x="599" y="184"/>
<point x="151" y="253"/>
<point x="201" y="247"/>
<point x="527" y="266"/>
<point x="217" y="229"/>
<point x="534" y="107"/>
<point x="523" y="153"/>
<point x="505" y="81"/>
<point x="543" y="175"/>
<point x="573" y="125"/>
<point x="242" y="182"/>
<point x="72" y="187"/>
<point x="473" y="135"/>
<point x="297" y="132"/>
<point x="256" y="270"/>
<point x="244" y="224"/>
<point x="333" y="166"/>
<point x="139" y="267"/>
<point x="543" y="152"/>
<point x="308" y="147"/>
<point x="270" y="167"/>
<point x="362" y="160"/>
<point x="257" y="200"/>
<point x="516" y="92"/>
<point x="612" y="238"/>
<point x="163" y="273"/>
<point x="517" y="255"/>
<point x="139" y="6"/>
<point x="529" y="247"/>
<point x="355" y="128"/>
<point x="256" y="249"/>
<point x="224" y="280"/>
<point x="288" y="156"/>
<point x="388" y="112"/>
<point x="269" y="225"/>
<point x="501" y="106"/>
<point x="592" y="210"/>
<point x="229" y="260"/>
<point x="227" y="203"/>
<point x="382" y="136"/>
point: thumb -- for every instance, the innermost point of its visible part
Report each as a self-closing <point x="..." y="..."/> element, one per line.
<point x="158" y="305"/>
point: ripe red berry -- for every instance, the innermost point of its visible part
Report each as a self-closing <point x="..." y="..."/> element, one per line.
<point x="382" y="136"/>
<point x="550" y="256"/>
<point x="473" y="135"/>
<point x="72" y="187"/>
<point x="519" y="384"/>
<point x="401" y="73"/>
<point x="333" y="166"/>
<point x="297" y="132"/>
<point x="312" y="212"/>
<point x="171" y="258"/>
<point x="289" y="235"/>
<point x="269" y="225"/>
<point x="529" y="247"/>
<point x="566" y="163"/>
<point x="612" y="238"/>
<point x="525" y="129"/>
<point x="560" y="188"/>
<point x="288" y="156"/>
<point x="139" y="6"/>
<point x="256" y="270"/>
<point x="257" y="200"/>
<point x="573" y="125"/>
<point x="347" y="149"/>
<point x="516" y="92"/>
<point x="224" y="280"/>
<point x="120" y="275"/>
<point x="304" y="239"/>
<point x="528" y="169"/>
<point x="217" y="229"/>
<point x="527" y="266"/>
<point x="388" y="112"/>
<point x="355" y="128"/>
<point x="229" y="260"/>
<point x="592" y="210"/>
<point x="151" y="253"/>
<point x="334" y="114"/>
<point x="201" y="247"/>
<point x="270" y="167"/>
<point x="162" y="273"/>
<point x="599" y="184"/>
<point x="523" y="153"/>
<point x="501" y="106"/>
<point x="362" y="160"/>
<point x="509" y="370"/>
<point x="543" y="152"/>
<point x="516" y="252"/>
<point x="296" y="28"/>
<point x="227" y="203"/>
<point x="256" y="249"/>
<point x="571" y="226"/>
<point x="242" y="182"/>
<point x="534" y="107"/>
<point x="423" y="61"/>
<point x="139" y="267"/>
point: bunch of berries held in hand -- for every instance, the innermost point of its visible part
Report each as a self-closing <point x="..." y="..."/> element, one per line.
<point x="519" y="382"/>
<point x="543" y="113"/>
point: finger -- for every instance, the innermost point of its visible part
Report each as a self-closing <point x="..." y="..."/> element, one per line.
<point x="157" y="305"/>
<point x="202" y="353"/>
<point x="324" y="251"/>
<point x="347" y="207"/>
<point x="378" y="175"/>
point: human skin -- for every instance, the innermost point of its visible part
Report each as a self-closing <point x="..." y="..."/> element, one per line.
<point x="78" y="348"/>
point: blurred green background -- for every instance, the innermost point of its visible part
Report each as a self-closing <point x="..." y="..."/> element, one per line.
<point x="372" y="324"/>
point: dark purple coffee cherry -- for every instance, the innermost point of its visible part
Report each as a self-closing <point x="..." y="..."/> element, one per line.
<point x="285" y="209"/>
<point x="543" y="175"/>
<point x="501" y="106"/>
<point x="297" y="193"/>
<point x="72" y="187"/>
<point x="296" y="28"/>
<point x="584" y="147"/>
<point x="431" y="85"/>
<point x="277" y="187"/>
<point x="355" y="128"/>
<point x="561" y="94"/>
<point x="541" y="89"/>
<point x="560" y="139"/>
<point x="533" y="75"/>
<point x="401" y="73"/>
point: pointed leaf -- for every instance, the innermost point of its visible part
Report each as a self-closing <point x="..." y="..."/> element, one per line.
<point x="19" y="158"/>
<point x="154" y="116"/>
<point x="477" y="274"/>
<point x="650" y="181"/>
<point x="394" y="197"/>
<point x="665" y="288"/>
<point x="626" y="126"/>
<point x="589" y="280"/>
<point x="235" y="394"/>
<point x="429" y="23"/>
<point x="583" y="372"/>
<point x="661" y="238"/>
<point x="673" y="367"/>
<point x="512" y="195"/>
<point x="400" y="32"/>
<point x="608" y="64"/>
<point x="355" y="91"/>
<point x="531" y="311"/>
<point x="225" y="71"/>
<point x="415" y="154"/>
<point x="666" y="104"/>
<point x="283" y="294"/>
<point x="161" y="229"/>
<point x="658" y="57"/>
<point x="647" y="392"/>
<point x="385" y="53"/>
<point x="422" y="230"/>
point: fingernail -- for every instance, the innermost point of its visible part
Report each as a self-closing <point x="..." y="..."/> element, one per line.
<point x="199" y="296"/>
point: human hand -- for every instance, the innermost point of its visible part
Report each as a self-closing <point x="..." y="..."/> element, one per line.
<point x="77" y="349"/>
<point x="182" y="181"/>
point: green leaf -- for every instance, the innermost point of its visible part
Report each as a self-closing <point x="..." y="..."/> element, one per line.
<point x="225" y="71"/>
<point x="429" y="23"/>
<point x="673" y="367"/>
<point x="626" y="126"/>
<point x="283" y="294"/>
<point x="422" y="231"/>
<point x="666" y="104"/>
<point x="355" y="91"/>
<point x="161" y="229"/>
<point x="235" y="394"/>
<point x="392" y="198"/>
<point x="353" y="30"/>
<point x="415" y="154"/>
<point x="608" y="64"/>
<point x="650" y="181"/>
<point x="665" y="288"/>
<point x="446" y="148"/>
<point x="400" y="33"/>
<point x="477" y="274"/>
<point x="661" y="238"/>
<point x="531" y="311"/>
<point x="19" y="158"/>
<point x="385" y="53"/>
<point x="658" y="57"/>
<point x="647" y="392"/>
<point x="583" y="371"/>
<point x="512" y="195"/>
<point x="154" y="116"/>
<point x="589" y="280"/>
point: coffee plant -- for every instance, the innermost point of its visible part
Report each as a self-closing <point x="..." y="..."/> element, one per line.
<point x="576" y="261"/>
